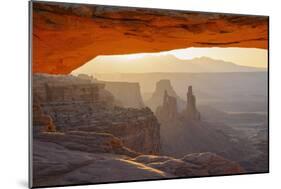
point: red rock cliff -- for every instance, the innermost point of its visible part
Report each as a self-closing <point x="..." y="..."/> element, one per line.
<point x="66" y="36"/>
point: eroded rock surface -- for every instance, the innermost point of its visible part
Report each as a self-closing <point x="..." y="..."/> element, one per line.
<point x="213" y="163"/>
<point x="66" y="36"/>
<point x="56" y="164"/>
<point x="41" y="121"/>
<point x="87" y="142"/>
<point x="74" y="104"/>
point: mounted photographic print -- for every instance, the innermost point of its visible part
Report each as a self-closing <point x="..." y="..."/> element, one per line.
<point x="121" y="94"/>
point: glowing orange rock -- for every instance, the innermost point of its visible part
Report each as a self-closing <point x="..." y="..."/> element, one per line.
<point x="66" y="36"/>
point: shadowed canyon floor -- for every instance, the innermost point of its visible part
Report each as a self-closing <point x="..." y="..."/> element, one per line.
<point x="241" y="137"/>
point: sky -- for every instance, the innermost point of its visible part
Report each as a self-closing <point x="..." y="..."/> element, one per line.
<point x="251" y="57"/>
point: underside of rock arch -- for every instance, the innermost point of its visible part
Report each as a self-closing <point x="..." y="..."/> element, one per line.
<point x="66" y="36"/>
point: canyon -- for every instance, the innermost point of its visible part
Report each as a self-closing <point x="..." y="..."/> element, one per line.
<point x="81" y="133"/>
<point x="212" y="89"/>
<point x="185" y="131"/>
<point x="56" y="165"/>
<point x="89" y="130"/>
<point x="80" y="106"/>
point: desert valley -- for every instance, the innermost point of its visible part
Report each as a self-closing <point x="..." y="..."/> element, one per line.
<point x="148" y="126"/>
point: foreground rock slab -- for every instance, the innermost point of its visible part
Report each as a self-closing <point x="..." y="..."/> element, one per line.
<point x="55" y="165"/>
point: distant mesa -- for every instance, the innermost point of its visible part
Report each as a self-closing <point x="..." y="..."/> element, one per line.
<point x="163" y="86"/>
<point x="70" y="93"/>
<point x="61" y="88"/>
<point x="125" y="94"/>
<point x="168" y="110"/>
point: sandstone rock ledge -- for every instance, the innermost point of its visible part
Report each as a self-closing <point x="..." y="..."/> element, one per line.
<point x="88" y="142"/>
<point x="69" y="103"/>
<point x="56" y="164"/>
<point x="196" y="164"/>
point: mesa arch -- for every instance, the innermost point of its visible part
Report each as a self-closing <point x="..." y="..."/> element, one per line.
<point x="66" y="36"/>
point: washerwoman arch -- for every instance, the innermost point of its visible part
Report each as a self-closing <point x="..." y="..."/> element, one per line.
<point x="66" y="36"/>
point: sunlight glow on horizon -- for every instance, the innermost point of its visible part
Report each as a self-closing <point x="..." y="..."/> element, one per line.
<point x="251" y="57"/>
<point x="141" y="62"/>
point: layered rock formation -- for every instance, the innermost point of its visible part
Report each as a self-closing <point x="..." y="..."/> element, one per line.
<point x="137" y="128"/>
<point x="41" y="122"/>
<point x="127" y="94"/>
<point x="92" y="142"/>
<point x="124" y="94"/>
<point x="66" y="36"/>
<point x="191" y="165"/>
<point x="88" y="93"/>
<point x="65" y="88"/>
<point x="71" y="104"/>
